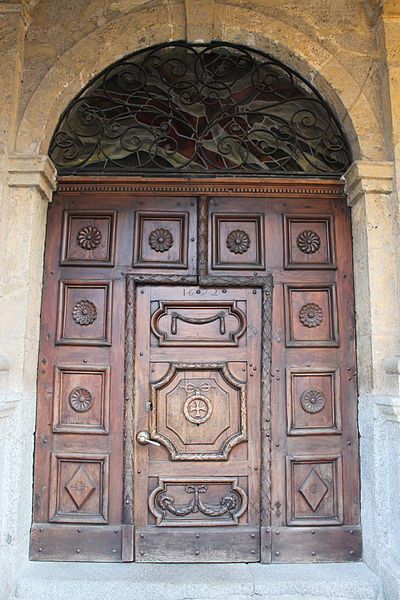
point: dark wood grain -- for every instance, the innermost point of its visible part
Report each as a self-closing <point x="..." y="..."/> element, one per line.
<point x="296" y="458"/>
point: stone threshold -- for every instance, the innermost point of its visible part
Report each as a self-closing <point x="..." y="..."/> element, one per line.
<point x="130" y="581"/>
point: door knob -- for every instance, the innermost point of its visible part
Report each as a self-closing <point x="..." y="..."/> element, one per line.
<point x="143" y="437"/>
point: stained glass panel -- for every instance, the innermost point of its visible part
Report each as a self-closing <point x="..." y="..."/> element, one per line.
<point x="202" y="109"/>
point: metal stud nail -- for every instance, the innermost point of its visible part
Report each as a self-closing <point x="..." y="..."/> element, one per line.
<point x="77" y="550"/>
<point x="197" y="552"/>
<point x="253" y="535"/>
<point x="197" y="535"/>
<point x="142" y="535"/>
<point x="277" y="553"/>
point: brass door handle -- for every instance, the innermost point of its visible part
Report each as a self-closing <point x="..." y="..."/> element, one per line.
<point x="143" y="438"/>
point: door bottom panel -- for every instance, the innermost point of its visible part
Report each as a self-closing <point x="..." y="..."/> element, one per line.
<point x="212" y="546"/>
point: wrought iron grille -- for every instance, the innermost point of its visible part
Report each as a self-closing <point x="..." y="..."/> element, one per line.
<point x="199" y="109"/>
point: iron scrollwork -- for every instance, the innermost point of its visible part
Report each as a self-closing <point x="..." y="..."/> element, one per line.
<point x="196" y="108"/>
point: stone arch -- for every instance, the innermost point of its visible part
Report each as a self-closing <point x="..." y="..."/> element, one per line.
<point x="90" y="55"/>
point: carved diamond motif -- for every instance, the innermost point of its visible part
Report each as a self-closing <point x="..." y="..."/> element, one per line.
<point x="80" y="487"/>
<point x="313" y="489"/>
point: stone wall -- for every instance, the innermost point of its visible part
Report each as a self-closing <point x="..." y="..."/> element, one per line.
<point x="350" y="51"/>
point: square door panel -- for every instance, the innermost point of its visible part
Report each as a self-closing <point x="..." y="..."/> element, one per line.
<point x="238" y="241"/>
<point x="311" y="315"/>
<point x="79" y="488"/>
<point x="314" y="490"/>
<point x="84" y="316"/>
<point x="313" y="401"/>
<point x="309" y="242"/>
<point x="161" y="240"/>
<point x="81" y="399"/>
<point x="88" y="238"/>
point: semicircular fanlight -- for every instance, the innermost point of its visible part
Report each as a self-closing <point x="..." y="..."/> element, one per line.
<point x="199" y="108"/>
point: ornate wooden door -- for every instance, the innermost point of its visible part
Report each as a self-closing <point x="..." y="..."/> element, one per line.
<point x="197" y="492"/>
<point x="179" y="419"/>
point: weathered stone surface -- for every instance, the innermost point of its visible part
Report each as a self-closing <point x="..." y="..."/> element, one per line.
<point x="198" y="582"/>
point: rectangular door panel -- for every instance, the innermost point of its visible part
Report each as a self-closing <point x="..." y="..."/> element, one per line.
<point x="203" y="412"/>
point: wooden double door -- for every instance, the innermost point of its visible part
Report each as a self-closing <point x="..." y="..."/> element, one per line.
<point x="197" y="397"/>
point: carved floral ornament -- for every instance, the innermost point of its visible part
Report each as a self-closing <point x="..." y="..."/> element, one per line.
<point x="312" y="400"/>
<point x="199" y="108"/>
<point x="81" y="399"/>
<point x="308" y="242"/>
<point x="84" y="312"/>
<point x="238" y="241"/>
<point x="88" y="238"/>
<point x="311" y="315"/>
<point x="161" y="239"/>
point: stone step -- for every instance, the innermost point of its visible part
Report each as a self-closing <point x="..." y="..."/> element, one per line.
<point x="129" y="581"/>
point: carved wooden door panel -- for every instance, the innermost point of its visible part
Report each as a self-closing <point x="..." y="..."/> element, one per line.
<point x="197" y="492"/>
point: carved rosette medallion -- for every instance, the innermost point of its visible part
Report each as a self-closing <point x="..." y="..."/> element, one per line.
<point x="311" y="315"/>
<point x="197" y="409"/>
<point x="84" y="312"/>
<point x="238" y="241"/>
<point x="312" y="400"/>
<point x="88" y="238"/>
<point x="81" y="399"/>
<point x="161" y="240"/>
<point x="308" y="242"/>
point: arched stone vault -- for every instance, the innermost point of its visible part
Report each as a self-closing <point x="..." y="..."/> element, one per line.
<point x="108" y="42"/>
